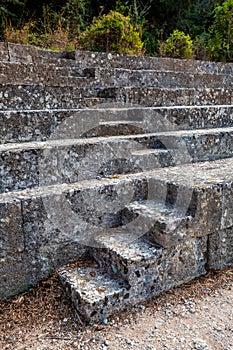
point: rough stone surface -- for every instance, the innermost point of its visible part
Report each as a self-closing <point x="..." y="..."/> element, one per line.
<point x="38" y="125"/>
<point x="11" y="230"/>
<point x="220" y="253"/>
<point x="146" y="120"/>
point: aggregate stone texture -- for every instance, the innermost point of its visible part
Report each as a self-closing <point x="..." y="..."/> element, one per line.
<point x="220" y="249"/>
<point x="102" y="293"/>
<point x="145" y="270"/>
<point x="40" y="234"/>
<point x="88" y="191"/>
<point x="11" y="230"/>
<point x="26" y="166"/>
<point x="26" y="97"/>
<point x="39" y="125"/>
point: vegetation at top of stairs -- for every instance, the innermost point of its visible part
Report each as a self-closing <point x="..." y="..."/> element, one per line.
<point x="201" y="29"/>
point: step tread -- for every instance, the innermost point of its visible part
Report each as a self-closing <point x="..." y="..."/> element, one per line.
<point x="160" y="211"/>
<point x="195" y="175"/>
<point x="90" y="284"/>
<point x="155" y="151"/>
<point x="93" y="140"/>
<point x="137" y="251"/>
<point x="95" y="295"/>
<point x="121" y="122"/>
<point x="162" y="221"/>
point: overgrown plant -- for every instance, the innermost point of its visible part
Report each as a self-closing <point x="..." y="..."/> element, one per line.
<point x="76" y="15"/>
<point x="178" y="45"/>
<point x="113" y="33"/>
<point x="57" y="39"/>
<point x="220" y="43"/>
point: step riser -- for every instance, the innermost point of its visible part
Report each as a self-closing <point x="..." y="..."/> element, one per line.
<point x="28" y="54"/>
<point x="32" y="221"/>
<point x="26" y="97"/>
<point x="48" y="75"/>
<point x="163" y="272"/>
<point x="29" y="126"/>
<point x="151" y="97"/>
<point x="52" y="74"/>
<point x="21" y="169"/>
<point x="167" y="80"/>
<point x="25" y="227"/>
<point x="85" y="59"/>
<point x="98" y="308"/>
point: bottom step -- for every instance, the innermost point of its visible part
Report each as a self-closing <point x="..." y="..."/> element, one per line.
<point x="94" y="294"/>
<point x="128" y="274"/>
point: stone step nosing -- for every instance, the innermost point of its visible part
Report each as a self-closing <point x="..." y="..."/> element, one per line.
<point x="59" y="143"/>
<point x="66" y="66"/>
<point x="52" y="97"/>
<point x="130" y="107"/>
<point x="22" y="53"/>
<point x="176" y="174"/>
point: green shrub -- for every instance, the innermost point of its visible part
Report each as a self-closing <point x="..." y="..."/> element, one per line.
<point x="220" y="44"/>
<point x="178" y="45"/>
<point x="201" y="49"/>
<point x="112" y="33"/>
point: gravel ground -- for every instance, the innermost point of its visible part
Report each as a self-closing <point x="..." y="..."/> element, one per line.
<point x="198" y="315"/>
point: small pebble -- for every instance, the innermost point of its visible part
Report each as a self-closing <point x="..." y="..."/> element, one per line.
<point x="199" y="344"/>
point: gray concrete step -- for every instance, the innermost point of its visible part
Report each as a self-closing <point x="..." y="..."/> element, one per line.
<point x="26" y="97"/>
<point x="44" y="74"/>
<point x="120" y="77"/>
<point x="47" y="227"/>
<point x="27" y="54"/>
<point x="70" y="160"/>
<point x="59" y="75"/>
<point x="95" y="295"/>
<point x="146" y="267"/>
<point x="39" y="125"/>
<point x="143" y="269"/>
<point x="163" y="224"/>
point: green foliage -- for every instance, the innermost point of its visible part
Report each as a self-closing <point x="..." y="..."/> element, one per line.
<point x="75" y="14"/>
<point x="138" y="11"/>
<point x="112" y="33"/>
<point x="197" y="19"/>
<point x="129" y="26"/>
<point x="178" y="45"/>
<point x="201" y="49"/>
<point x="220" y="44"/>
<point x="9" y="9"/>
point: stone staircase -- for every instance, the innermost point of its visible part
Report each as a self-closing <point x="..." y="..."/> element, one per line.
<point x="124" y="163"/>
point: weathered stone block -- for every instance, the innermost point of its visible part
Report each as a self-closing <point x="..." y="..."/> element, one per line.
<point x="220" y="249"/>
<point x="184" y="263"/>
<point x="209" y="81"/>
<point x="186" y="80"/>
<point x="149" y="269"/>
<point x="227" y="206"/>
<point x="11" y="228"/>
<point x="18" y="169"/>
<point x="20" y="97"/>
<point x="21" y="53"/>
<point x="26" y="126"/>
<point x="4" y="56"/>
<point x="49" y="235"/>
<point x="224" y="68"/>
<point x="20" y="271"/>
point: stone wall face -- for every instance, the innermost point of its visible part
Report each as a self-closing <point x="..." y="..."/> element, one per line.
<point x="40" y="90"/>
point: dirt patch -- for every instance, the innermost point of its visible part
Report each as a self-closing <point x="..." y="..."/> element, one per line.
<point x="197" y="315"/>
